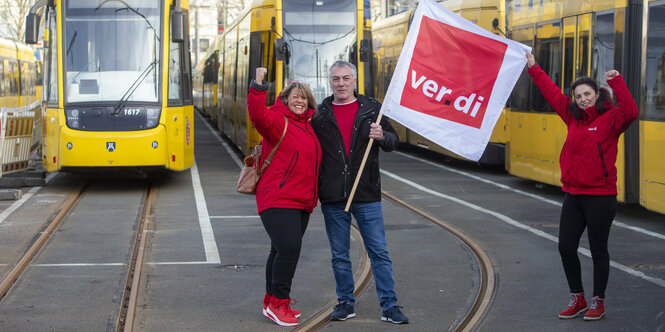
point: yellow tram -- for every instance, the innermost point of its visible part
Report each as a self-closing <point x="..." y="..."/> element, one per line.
<point x="587" y="38"/>
<point x="19" y="74"/>
<point x="388" y="35"/>
<point x="277" y="34"/>
<point x="117" y="84"/>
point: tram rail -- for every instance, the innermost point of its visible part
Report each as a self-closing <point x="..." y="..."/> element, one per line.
<point x="130" y="296"/>
<point x="126" y="311"/>
<point x="476" y="311"/>
<point x="34" y="249"/>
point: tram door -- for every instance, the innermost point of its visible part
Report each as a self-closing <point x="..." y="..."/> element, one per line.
<point x="576" y="46"/>
<point x="578" y="52"/>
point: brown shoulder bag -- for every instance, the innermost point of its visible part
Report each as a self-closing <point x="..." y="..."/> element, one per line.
<point x="249" y="174"/>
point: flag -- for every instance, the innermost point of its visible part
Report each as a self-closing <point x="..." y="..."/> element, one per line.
<point x="452" y="80"/>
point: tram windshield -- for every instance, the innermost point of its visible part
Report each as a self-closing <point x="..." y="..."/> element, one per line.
<point x="111" y="50"/>
<point x="318" y="33"/>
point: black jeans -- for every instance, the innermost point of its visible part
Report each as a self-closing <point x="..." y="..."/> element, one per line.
<point x="595" y="213"/>
<point x="286" y="228"/>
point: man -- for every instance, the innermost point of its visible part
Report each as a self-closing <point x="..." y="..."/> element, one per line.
<point x="344" y="124"/>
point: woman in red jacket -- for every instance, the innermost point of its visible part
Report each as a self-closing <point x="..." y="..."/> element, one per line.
<point x="286" y="194"/>
<point x="588" y="176"/>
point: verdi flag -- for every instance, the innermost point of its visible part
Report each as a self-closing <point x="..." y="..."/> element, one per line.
<point x="452" y="80"/>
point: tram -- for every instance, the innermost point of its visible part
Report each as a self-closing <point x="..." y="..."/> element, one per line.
<point x="388" y="36"/>
<point x="117" y="84"/>
<point x="587" y="38"/>
<point x="18" y="74"/>
<point x="296" y="40"/>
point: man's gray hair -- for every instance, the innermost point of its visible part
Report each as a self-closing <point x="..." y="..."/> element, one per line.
<point x="340" y="63"/>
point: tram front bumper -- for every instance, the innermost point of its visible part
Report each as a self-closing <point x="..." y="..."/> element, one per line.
<point x="112" y="149"/>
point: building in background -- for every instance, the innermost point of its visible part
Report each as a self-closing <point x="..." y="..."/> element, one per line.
<point x="203" y="27"/>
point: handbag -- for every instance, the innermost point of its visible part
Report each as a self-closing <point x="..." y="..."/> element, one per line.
<point x="249" y="174"/>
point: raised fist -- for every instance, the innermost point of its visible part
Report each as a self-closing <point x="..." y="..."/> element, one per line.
<point x="260" y="74"/>
<point x="611" y="74"/>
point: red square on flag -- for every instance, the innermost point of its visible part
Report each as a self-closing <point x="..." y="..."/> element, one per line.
<point x="452" y="73"/>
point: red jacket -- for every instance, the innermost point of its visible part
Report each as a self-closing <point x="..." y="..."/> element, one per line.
<point x="291" y="179"/>
<point x="589" y="155"/>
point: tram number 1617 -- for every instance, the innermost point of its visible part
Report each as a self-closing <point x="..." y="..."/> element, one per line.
<point x="131" y="111"/>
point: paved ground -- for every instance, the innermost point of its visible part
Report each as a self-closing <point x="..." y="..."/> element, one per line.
<point x="207" y="250"/>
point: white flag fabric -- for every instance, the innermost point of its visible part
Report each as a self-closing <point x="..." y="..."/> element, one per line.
<point x="452" y="80"/>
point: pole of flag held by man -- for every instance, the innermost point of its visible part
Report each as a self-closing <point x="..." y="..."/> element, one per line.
<point x="451" y="81"/>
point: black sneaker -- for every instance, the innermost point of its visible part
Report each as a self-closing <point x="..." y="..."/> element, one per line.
<point x="343" y="311"/>
<point x="394" y="315"/>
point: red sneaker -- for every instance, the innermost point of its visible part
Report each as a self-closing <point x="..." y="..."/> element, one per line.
<point x="576" y="306"/>
<point x="266" y="301"/>
<point x="294" y="311"/>
<point x="597" y="309"/>
<point x="278" y="310"/>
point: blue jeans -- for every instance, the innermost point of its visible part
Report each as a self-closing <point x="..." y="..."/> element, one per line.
<point x="369" y="218"/>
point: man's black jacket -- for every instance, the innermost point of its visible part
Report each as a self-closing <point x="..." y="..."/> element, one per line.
<point x="338" y="171"/>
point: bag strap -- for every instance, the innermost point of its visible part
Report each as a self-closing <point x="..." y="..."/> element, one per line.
<point x="266" y="162"/>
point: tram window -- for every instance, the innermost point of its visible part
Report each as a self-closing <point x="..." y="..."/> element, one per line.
<point x="602" y="57"/>
<point x="548" y="55"/>
<point x="22" y="91"/>
<point x="519" y="98"/>
<point x="584" y="54"/>
<point x="52" y="63"/>
<point x="317" y="37"/>
<point x="568" y="69"/>
<point x="38" y="73"/>
<point x="395" y="7"/>
<point x="13" y="78"/>
<point x="2" y="78"/>
<point x="654" y="100"/>
<point x="32" y="79"/>
<point x="186" y="67"/>
<point x="175" y="74"/>
<point x="27" y="87"/>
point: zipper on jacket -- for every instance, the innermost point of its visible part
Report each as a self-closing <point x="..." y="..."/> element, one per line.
<point x="346" y="171"/>
<point x="602" y="162"/>
<point x="289" y="169"/>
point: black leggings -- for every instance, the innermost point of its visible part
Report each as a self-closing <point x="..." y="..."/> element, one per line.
<point x="595" y="213"/>
<point x="286" y="228"/>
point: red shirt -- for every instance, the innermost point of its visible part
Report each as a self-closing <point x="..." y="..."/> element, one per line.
<point x="345" y="114"/>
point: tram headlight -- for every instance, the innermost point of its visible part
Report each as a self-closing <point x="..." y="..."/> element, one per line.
<point x="152" y="117"/>
<point x="73" y="118"/>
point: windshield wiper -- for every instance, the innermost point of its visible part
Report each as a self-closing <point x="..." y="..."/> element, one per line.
<point x="130" y="91"/>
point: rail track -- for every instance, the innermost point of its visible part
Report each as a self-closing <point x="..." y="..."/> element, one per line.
<point x="125" y="314"/>
<point x="476" y="311"/>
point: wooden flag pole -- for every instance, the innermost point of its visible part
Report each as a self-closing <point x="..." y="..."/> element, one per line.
<point x="362" y="166"/>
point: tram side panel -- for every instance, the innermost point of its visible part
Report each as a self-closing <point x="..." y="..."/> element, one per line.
<point x="563" y="47"/>
<point x="180" y="137"/>
<point x="228" y="113"/>
<point x="247" y="45"/>
<point x="652" y="117"/>
<point x="243" y="124"/>
<point x="388" y="36"/>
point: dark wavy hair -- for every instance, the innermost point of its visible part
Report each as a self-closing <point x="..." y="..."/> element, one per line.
<point x="604" y="97"/>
